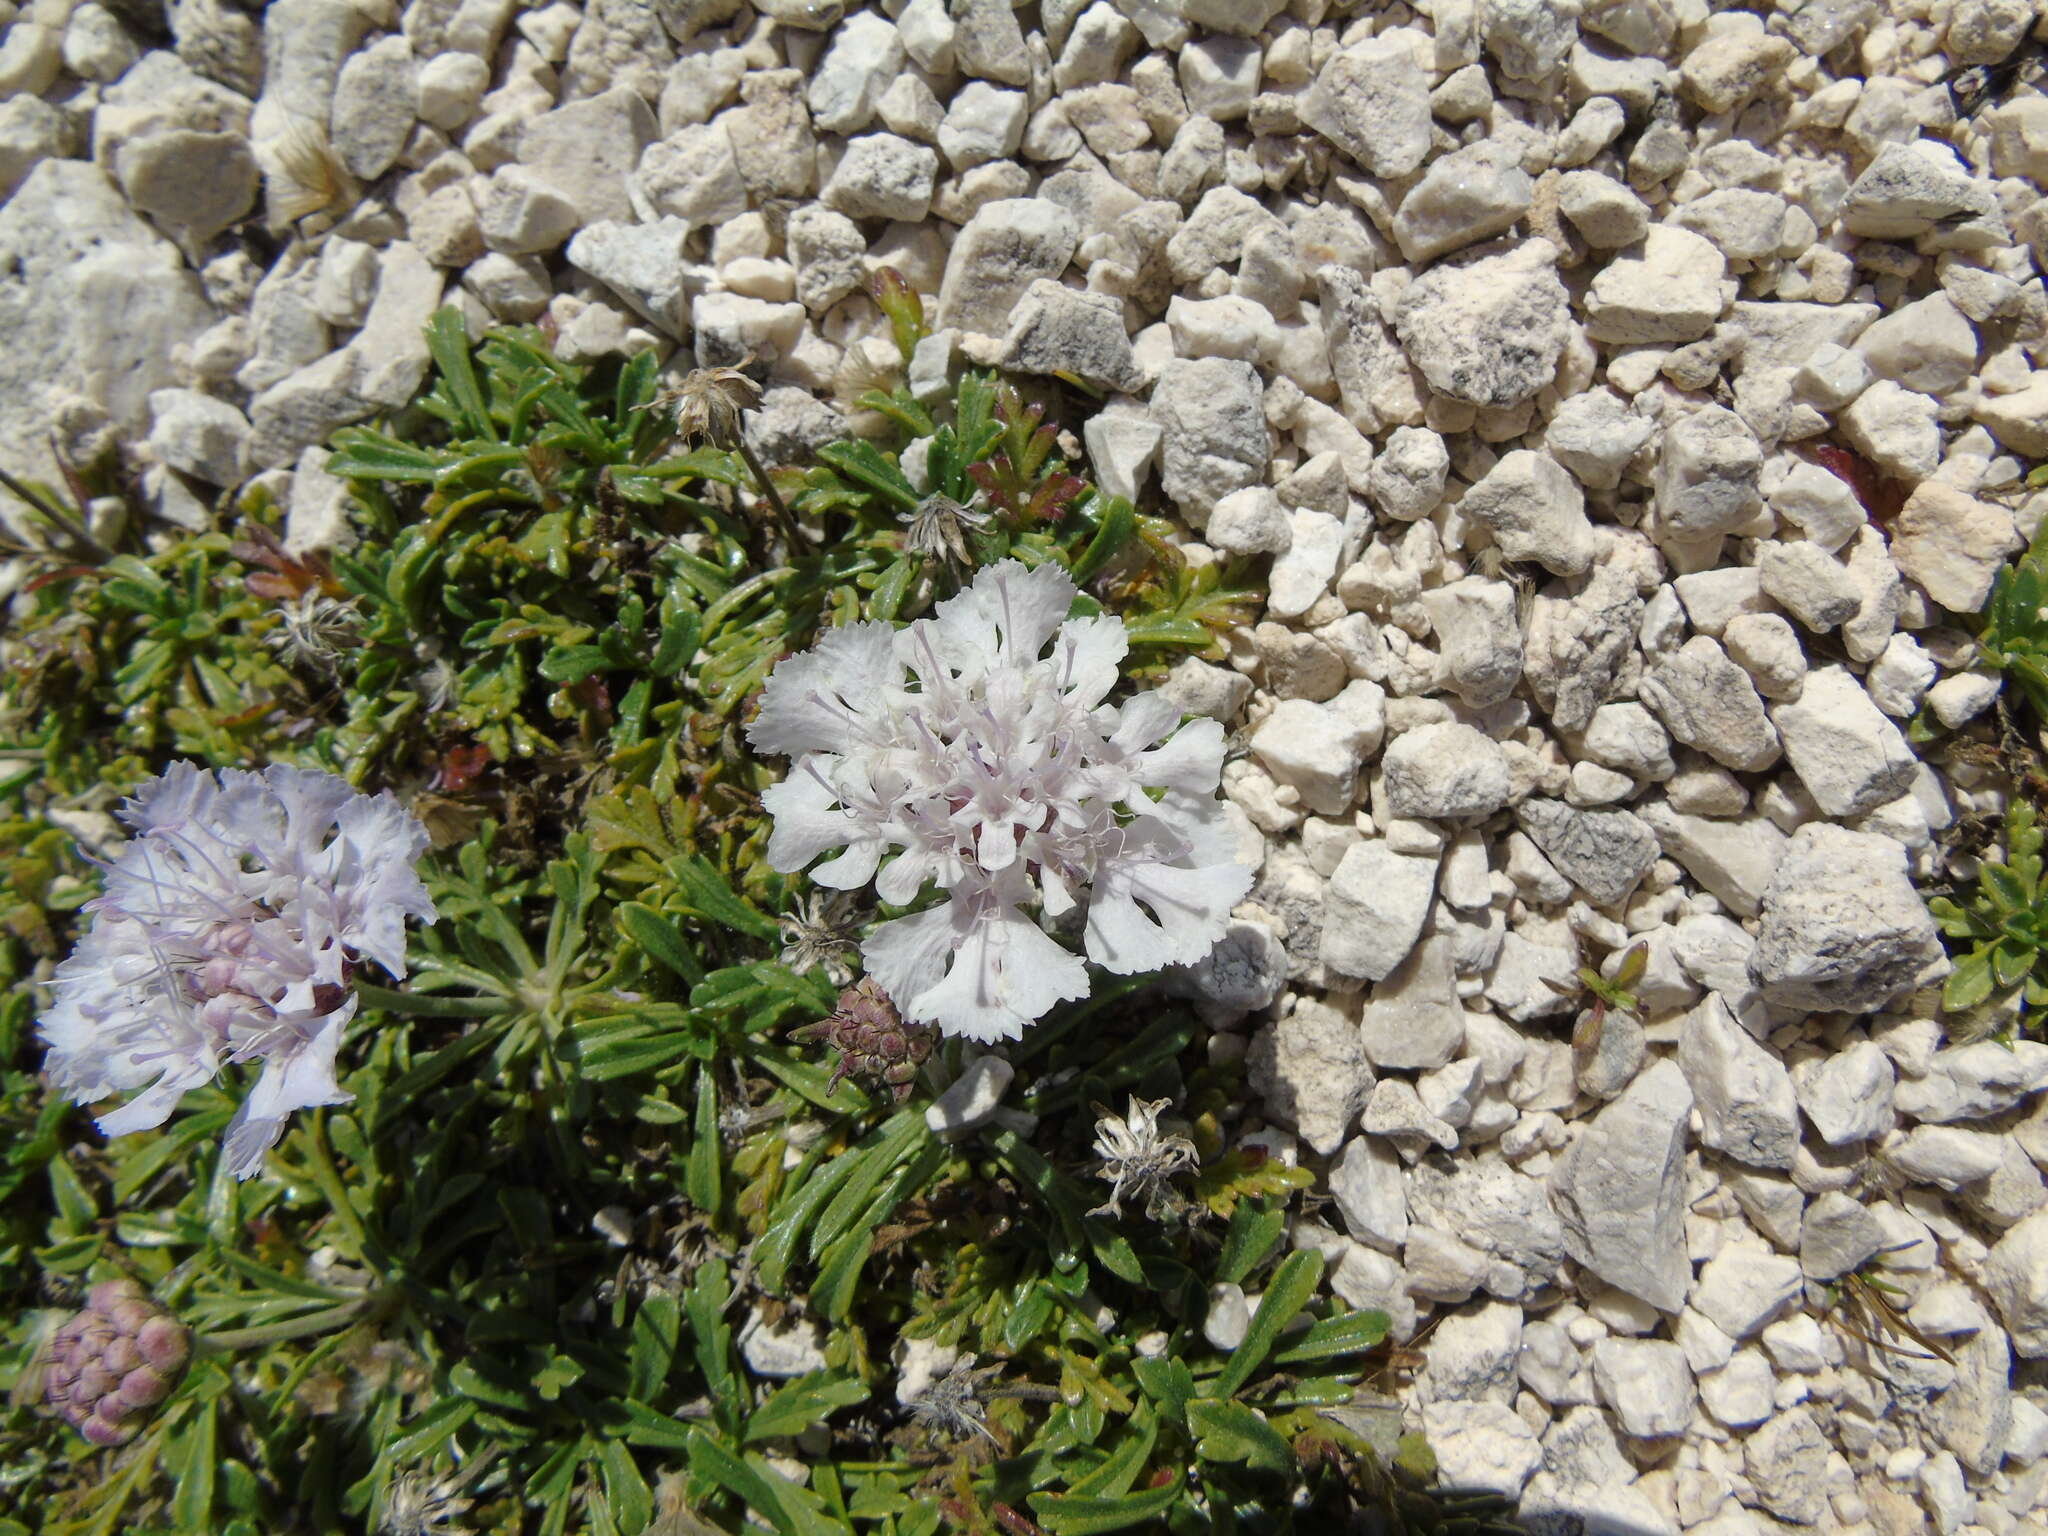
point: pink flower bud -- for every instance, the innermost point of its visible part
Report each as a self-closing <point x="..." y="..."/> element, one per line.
<point x="108" y="1294"/>
<point x="100" y="1432"/>
<point x="164" y="1345"/>
<point x="111" y="1363"/>
<point x="143" y="1388"/>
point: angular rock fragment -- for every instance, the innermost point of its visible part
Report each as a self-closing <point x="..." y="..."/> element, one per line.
<point x="1841" y="928"/>
<point x="1620" y="1190"/>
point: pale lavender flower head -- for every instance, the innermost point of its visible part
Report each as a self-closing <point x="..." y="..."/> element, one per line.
<point x="972" y="750"/>
<point x="228" y="931"/>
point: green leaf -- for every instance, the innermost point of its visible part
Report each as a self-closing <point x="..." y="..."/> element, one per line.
<point x="660" y="939"/>
<point x="371" y="456"/>
<point x="1969" y="983"/>
<point x="448" y="341"/>
<point x="1349" y="1333"/>
<point x="1121" y="1467"/>
<point x="1293" y="1283"/>
<point x="797" y="1405"/>
<point x="1233" y="1432"/>
<point x="705" y="891"/>
<point x="199" y="1453"/>
<point x="900" y="1138"/>
<point x="1066" y="1514"/>
<point x="1168" y="1382"/>
<point x="761" y="1490"/>
<point x="644" y="1426"/>
<point x="1119" y="523"/>
<point x="707" y="1154"/>
<point x="865" y="464"/>
<point x="1255" y="1226"/>
<point x="657" y="1329"/>
<point x="632" y="1501"/>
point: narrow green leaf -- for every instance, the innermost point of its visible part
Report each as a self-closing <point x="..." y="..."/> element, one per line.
<point x="192" y="1502"/>
<point x="657" y="1329"/>
<point x="1255" y="1226"/>
<point x="631" y="1499"/>
<point x="448" y="341"/>
<point x="1122" y="1466"/>
<point x="1066" y="1514"/>
<point x="1969" y="983"/>
<point x="706" y="892"/>
<point x="660" y="939"/>
<point x="370" y="456"/>
<point x="1349" y="1333"/>
<point x="701" y="1175"/>
<point x="1293" y="1283"/>
<point x="864" y="463"/>
<point x="1119" y="523"/>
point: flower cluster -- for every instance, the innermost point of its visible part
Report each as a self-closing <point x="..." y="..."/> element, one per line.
<point x="973" y="751"/>
<point x="111" y="1363"/>
<point x="872" y="1040"/>
<point x="229" y="930"/>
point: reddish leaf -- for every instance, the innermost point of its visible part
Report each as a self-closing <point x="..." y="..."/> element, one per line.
<point x="63" y="573"/>
<point x="460" y="768"/>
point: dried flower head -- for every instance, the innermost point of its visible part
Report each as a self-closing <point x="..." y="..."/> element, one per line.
<point x="872" y="1041"/>
<point x="307" y="177"/>
<point x="973" y="751"/>
<point x="936" y="530"/>
<point x="820" y="932"/>
<point x="316" y="630"/>
<point x="229" y="930"/>
<point x="428" y="1504"/>
<point x="708" y="404"/>
<point x="1136" y="1159"/>
<point x="952" y="1406"/>
<point x="108" y="1365"/>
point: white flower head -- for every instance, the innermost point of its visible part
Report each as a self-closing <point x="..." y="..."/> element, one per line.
<point x="973" y="751"/>
<point x="228" y="931"/>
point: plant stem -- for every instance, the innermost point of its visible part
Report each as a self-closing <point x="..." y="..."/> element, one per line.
<point x="326" y="1320"/>
<point x="798" y="539"/>
<point x="330" y="1185"/>
<point x="60" y="519"/>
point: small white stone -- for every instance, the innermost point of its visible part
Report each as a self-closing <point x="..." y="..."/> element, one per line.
<point x="1900" y="677"/>
<point x="1739" y="1393"/>
<point x="1481" y="1445"/>
<point x="791" y="1348"/>
<point x="1745" y="1286"/>
<point x="1647" y="1383"/>
<point x="1849" y="757"/>
<point x="1375" y="909"/>
<point x="972" y="1099"/>
<point x="1226" y="1322"/>
<point x="1370" y="1192"/>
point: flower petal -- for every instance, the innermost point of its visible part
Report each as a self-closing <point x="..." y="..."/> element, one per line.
<point x="1189" y="908"/>
<point x="907" y="955"/>
<point x="809" y="819"/>
<point x="1087" y="656"/>
<point x="1005" y="973"/>
<point x="830" y="698"/>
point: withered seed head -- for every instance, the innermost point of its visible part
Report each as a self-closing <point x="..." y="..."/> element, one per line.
<point x="873" y="1041"/>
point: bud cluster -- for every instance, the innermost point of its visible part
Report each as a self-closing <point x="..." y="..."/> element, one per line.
<point x="113" y="1362"/>
<point x="873" y="1041"/>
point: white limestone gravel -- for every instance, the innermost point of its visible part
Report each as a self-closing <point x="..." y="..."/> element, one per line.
<point x="1516" y="346"/>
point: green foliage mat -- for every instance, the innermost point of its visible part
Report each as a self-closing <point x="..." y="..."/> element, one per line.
<point x="505" y="1289"/>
